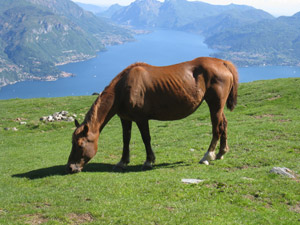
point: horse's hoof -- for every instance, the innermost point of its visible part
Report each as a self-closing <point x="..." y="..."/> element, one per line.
<point x="219" y="157"/>
<point x="147" y="166"/>
<point x="204" y="162"/>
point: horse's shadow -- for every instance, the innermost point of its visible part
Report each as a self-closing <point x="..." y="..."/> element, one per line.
<point x="60" y="170"/>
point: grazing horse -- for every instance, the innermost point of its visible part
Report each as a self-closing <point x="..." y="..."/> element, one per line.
<point x="142" y="92"/>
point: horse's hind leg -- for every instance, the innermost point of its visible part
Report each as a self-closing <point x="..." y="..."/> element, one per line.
<point x="216" y="107"/>
<point x="144" y="129"/>
<point x="223" y="140"/>
<point x="126" y="125"/>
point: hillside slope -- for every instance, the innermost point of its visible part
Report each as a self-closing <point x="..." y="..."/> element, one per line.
<point x="263" y="132"/>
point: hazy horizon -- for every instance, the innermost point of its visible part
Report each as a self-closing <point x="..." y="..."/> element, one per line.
<point x="274" y="7"/>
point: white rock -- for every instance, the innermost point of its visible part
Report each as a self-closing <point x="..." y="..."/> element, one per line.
<point x="70" y="119"/>
<point x="59" y="116"/>
<point x="55" y="118"/>
<point x="64" y="113"/>
<point x="44" y="118"/>
<point x="191" y="181"/>
<point x="50" y="119"/>
<point x="23" y="123"/>
<point x="282" y="171"/>
<point x="64" y="118"/>
<point x="247" y="178"/>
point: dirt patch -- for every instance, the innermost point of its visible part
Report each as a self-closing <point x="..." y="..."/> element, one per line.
<point x="274" y="98"/>
<point x="77" y="219"/>
<point x="35" y="219"/>
<point x="264" y="116"/>
<point x="170" y="209"/>
<point x="285" y="120"/>
<point x="42" y="205"/>
<point x="251" y="197"/>
<point x="243" y="167"/>
<point x="295" y="208"/>
<point x="2" y="212"/>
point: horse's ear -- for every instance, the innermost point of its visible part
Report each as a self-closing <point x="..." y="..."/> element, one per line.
<point x="85" y="129"/>
<point x="76" y="123"/>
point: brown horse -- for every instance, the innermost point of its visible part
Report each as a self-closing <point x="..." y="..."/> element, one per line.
<point x="142" y="92"/>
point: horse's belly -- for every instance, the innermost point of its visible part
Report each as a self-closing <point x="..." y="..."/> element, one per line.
<point x="161" y="108"/>
<point x="171" y="111"/>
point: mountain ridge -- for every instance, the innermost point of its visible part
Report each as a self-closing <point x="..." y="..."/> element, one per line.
<point x="240" y="33"/>
<point x="176" y="14"/>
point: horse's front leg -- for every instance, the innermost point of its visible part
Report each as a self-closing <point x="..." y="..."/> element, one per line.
<point x="144" y="129"/>
<point x="126" y="125"/>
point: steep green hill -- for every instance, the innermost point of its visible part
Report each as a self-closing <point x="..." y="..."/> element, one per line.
<point x="36" y="35"/>
<point x="263" y="132"/>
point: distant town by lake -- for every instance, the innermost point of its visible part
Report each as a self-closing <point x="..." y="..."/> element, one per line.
<point x="161" y="47"/>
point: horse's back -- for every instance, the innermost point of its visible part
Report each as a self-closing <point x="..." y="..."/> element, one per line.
<point x="170" y="92"/>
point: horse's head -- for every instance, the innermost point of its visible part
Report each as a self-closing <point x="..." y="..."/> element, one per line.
<point x="84" y="147"/>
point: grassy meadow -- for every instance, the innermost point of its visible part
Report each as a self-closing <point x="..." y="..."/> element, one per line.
<point x="263" y="132"/>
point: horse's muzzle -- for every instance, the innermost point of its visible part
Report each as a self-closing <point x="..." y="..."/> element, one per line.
<point x="73" y="168"/>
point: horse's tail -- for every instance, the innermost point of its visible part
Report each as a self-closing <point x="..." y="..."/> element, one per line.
<point x="232" y="98"/>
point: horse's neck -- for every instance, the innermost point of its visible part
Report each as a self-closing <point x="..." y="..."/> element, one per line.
<point x="101" y="112"/>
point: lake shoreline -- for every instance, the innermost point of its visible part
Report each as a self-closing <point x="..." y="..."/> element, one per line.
<point x="156" y="48"/>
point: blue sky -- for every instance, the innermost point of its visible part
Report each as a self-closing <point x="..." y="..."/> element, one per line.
<point x="275" y="7"/>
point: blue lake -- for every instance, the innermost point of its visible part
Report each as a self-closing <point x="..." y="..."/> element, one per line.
<point x="159" y="48"/>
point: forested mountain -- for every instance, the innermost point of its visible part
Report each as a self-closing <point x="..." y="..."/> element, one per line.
<point x="36" y="35"/>
<point x="246" y="35"/>
<point x="268" y="42"/>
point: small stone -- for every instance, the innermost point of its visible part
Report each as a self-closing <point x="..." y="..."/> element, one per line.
<point x="192" y="150"/>
<point x="44" y="118"/>
<point x="57" y="117"/>
<point x="248" y="178"/>
<point x="23" y="123"/>
<point x="65" y="118"/>
<point x="191" y="181"/>
<point x="70" y="119"/>
<point x="64" y="113"/>
<point x="50" y="119"/>
<point x="14" y="129"/>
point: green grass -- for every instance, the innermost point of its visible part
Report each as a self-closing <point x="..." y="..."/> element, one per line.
<point x="263" y="132"/>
